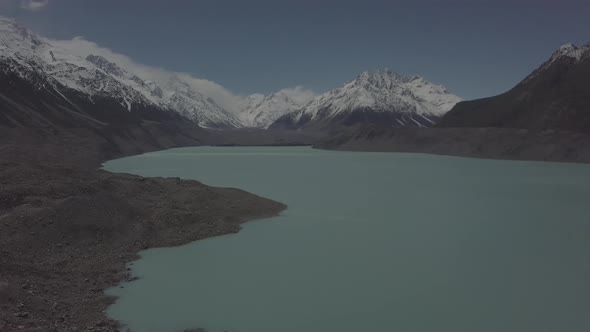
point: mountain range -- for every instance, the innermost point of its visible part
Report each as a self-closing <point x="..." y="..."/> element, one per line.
<point x="49" y="87"/>
<point x="27" y="55"/>
<point x="376" y="97"/>
<point x="64" y="111"/>
<point x="544" y="117"/>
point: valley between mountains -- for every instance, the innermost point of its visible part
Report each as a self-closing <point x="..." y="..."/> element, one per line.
<point x="68" y="228"/>
<point x="55" y="89"/>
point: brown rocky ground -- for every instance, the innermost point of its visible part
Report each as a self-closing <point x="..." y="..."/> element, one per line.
<point x="67" y="230"/>
<point x="489" y="143"/>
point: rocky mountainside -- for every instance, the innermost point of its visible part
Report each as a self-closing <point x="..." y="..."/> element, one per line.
<point x="555" y="96"/>
<point x="46" y="94"/>
<point x="383" y="98"/>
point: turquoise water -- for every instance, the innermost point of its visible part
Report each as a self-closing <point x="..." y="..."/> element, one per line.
<point x="372" y="242"/>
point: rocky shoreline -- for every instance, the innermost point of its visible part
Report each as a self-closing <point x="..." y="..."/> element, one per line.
<point x="69" y="229"/>
<point x="486" y="143"/>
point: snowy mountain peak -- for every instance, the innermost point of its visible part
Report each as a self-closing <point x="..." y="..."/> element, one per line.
<point x="568" y="47"/>
<point x="384" y="97"/>
<point x="106" y="65"/>
<point x="571" y="51"/>
<point x="386" y="89"/>
<point x="262" y="111"/>
<point x="15" y="37"/>
<point x="567" y="52"/>
<point x="415" y="78"/>
<point x="10" y="26"/>
<point x="385" y="78"/>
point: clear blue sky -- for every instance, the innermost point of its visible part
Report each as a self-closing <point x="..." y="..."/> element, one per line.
<point x="474" y="47"/>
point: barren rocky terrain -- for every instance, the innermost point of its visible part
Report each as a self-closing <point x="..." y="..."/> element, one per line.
<point x="69" y="229"/>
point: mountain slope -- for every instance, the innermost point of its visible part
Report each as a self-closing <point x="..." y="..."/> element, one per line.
<point x="75" y="100"/>
<point x="261" y="111"/>
<point x="383" y="97"/>
<point x="555" y="96"/>
<point x="95" y="77"/>
<point x="181" y="97"/>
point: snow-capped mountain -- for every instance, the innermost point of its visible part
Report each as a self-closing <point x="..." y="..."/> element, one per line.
<point x="261" y="111"/>
<point x="567" y="52"/>
<point x="184" y="99"/>
<point x="381" y="97"/>
<point x="29" y="55"/>
<point x="53" y="95"/>
<point x="26" y="54"/>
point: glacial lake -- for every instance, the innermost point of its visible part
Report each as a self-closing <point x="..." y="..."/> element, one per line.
<point x="372" y="242"/>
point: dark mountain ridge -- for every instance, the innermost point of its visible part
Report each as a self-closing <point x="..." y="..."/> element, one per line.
<point x="555" y="96"/>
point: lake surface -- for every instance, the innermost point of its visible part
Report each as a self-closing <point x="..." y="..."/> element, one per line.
<point x="372" y="242"/>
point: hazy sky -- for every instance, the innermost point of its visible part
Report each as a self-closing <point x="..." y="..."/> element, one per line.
<point x="474" y="47"/>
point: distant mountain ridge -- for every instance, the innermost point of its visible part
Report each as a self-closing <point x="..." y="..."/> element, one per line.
<point x="27" y="55"/>
<point x="261" y="111"/>
<point x="555" y="96"/>
<point x="381" y="97"/>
